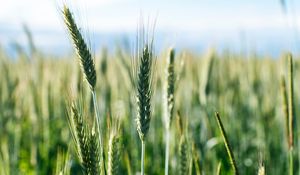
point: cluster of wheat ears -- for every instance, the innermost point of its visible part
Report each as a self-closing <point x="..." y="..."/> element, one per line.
<point x="88" y="136"/>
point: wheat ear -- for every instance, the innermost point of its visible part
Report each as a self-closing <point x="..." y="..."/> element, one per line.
<point x="82" y="50"/>
<point x="169" y="103"/>
<point x="113" y="154"/>
<point x="145" y="60"/>
<point x="80" y="135"/>
<point x="183" y="147"/>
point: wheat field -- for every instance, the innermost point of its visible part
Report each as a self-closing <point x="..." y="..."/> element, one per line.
<point x="173" y="112"/>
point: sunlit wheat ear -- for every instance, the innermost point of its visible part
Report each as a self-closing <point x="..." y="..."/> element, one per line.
<point x="113" y="154"/>
<point x="82" y="50"/>
<point x="227" y="145"/>
<point x="94" y="154"/>
<point x="80" y="136"/>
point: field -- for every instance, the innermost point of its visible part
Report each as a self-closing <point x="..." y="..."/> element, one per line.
<point x="41" y="95"/>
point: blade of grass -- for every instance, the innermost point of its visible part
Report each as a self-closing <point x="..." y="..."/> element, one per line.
<point x="227" y="145"/>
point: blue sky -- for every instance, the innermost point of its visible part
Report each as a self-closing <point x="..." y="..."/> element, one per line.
<point x="239" y="25"/>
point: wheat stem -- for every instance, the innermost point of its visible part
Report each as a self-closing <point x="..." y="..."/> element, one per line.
<point x="143" y="157"/>
<point x="291" y="101"/>
<point x="291" y="113"/>
<point x="167" y="152"/>
<point x="291" y="162"/>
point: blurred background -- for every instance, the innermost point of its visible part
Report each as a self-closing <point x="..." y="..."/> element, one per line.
<point x="266" y="27"/>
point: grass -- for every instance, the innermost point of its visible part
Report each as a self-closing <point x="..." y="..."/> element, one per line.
<point x="227" y="145"/>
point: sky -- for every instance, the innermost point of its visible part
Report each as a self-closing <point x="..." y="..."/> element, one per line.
<point x="237" y="25"/>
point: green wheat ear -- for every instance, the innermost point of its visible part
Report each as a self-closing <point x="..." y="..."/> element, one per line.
<point x="183" y="147"/>
<point x="183" y="156"/>
<point x="94" y="154"/>
<point x="80" y="136"/>
<point x="83" y="52"/>
<point x="227" y="145"/>
<point x="113" y="154"/>
<point x="144" y="70"/>
<point x="170" y="88"/>
<point x="144" y="91"/>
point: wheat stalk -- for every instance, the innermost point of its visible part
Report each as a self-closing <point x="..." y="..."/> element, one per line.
<point x="291" y="101"/>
